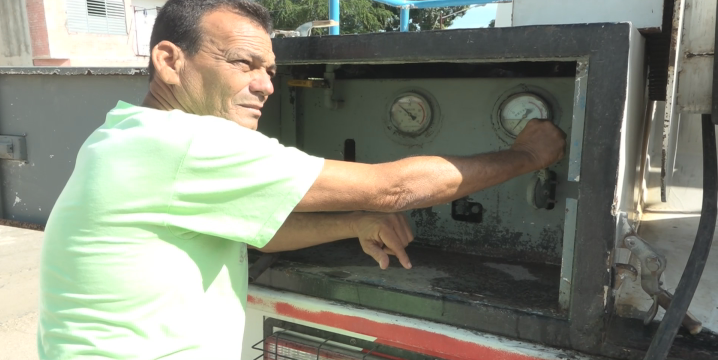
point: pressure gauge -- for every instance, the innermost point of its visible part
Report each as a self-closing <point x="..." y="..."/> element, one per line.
<point x="516" y="111"/>
<point x="410" y="113"/>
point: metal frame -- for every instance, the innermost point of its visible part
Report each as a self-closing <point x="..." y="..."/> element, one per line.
<point x="604" y="47"/>
<point x="372" y="347"/>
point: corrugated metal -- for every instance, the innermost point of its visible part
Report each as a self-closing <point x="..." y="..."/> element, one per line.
<point x="96" y="16"/>
<point x="15" y="42"/>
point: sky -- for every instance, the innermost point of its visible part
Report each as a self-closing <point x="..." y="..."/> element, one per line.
<point x="479" y="16"/>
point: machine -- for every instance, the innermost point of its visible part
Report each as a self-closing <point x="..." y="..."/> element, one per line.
<point x="550" y="265"/>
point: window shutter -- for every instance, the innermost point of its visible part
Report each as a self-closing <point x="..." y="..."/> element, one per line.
<point x="77" y="15"/>
<point x="96" y="16"/>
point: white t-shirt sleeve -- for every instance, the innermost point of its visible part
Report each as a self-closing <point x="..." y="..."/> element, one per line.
<point x="238" y="184"/>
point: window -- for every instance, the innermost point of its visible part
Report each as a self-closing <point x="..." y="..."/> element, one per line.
<point x="144" y="21"/>
<point x="96" y="16"/>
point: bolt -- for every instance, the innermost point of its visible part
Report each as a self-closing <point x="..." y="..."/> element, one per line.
<point x="475" y="209"/>
<point x="353" y="341"/>
<point x="652" y="263"/>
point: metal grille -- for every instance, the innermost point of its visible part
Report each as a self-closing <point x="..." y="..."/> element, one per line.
<point x="96" y="16"/>
<point x="284" y="340"/>
<point x="283" y="346"/>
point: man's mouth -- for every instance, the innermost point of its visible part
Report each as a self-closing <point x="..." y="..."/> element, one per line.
<point x="256" y="109"/>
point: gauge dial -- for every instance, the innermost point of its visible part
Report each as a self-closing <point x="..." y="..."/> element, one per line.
<point x="517" y="110"/>
<point x="410" y="113"/>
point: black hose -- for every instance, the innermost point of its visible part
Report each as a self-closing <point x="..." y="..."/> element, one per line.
<point x="663" y="339"/>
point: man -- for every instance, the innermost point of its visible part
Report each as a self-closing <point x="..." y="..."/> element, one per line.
<point x="145" y="249"/>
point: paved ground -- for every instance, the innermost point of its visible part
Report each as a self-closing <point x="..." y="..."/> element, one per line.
<point x="19" y="259"/>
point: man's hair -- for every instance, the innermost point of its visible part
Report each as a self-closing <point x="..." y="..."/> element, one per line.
<point x="178" y="22"/>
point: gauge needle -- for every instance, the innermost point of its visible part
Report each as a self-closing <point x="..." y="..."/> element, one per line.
<point x="408" y="113"/>
<point x="526" y="114"/>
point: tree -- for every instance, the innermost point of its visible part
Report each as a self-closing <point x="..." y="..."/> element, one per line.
<point x="357" y="16"/>
<point x="430" y="19"/>
<point x="492" y="23"/>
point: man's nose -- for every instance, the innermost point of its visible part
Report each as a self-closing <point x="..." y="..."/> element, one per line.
<point x="262" y="83"/>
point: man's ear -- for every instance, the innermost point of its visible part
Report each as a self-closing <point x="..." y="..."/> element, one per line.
<point x="168" y="60"/>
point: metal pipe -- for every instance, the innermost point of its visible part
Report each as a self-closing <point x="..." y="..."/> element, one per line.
<point x="419" y="4"/>
<point x="404" y="19"/>
<point x="329" y="76"/>
<point x="334" y="15"/>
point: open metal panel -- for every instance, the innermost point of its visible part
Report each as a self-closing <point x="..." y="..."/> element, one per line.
<point x="598" y="55"/>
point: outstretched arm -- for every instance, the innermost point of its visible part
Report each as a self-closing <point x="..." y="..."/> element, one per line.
<point x="425" y="181"/>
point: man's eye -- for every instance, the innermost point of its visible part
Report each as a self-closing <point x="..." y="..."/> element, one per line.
<point x="241" y="62"/>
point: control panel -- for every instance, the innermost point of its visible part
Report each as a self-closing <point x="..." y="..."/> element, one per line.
<point x="385" y="120"/>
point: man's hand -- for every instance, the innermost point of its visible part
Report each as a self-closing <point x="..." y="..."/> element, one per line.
<point x="382" y="235"/>
<point x="542" y="141"/>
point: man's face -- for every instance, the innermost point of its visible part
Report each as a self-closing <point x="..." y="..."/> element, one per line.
<point x="230" y="76"/>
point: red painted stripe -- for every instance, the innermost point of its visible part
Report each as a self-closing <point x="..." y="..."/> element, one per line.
<point x="254" y="300"/>
<point x="400" y="336"/>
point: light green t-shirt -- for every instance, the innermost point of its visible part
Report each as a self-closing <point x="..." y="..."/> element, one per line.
<point x="145" y="250"/>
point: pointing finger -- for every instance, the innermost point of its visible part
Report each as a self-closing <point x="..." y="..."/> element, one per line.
<point x="391" y="240"/>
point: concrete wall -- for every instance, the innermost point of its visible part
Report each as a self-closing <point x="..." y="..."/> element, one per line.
<point x="15" y="43"/>
<point x="504" y="14"/>
<point x="644" y="14"/>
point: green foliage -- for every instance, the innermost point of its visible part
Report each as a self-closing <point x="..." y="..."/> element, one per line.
<point x="357" y="16"/>
<point x="429" y="19"/>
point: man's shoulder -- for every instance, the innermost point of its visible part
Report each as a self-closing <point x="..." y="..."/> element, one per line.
<point x="128" y="123"/>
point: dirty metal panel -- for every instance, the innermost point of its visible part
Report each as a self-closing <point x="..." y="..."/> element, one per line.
<point x="510" y="227"/>
<point x="56" y="109"/>
<point x="695" y="84"/>
<point x="672" y="113"/>
<point x="565" y="42"/>
<point x="55" y="114"/>
<point x="569" y="243"/>
<point x="695" y="78"/>
<point x="579" y="115"/>
<point x="468" y="291"/>
<point x="456" y="277"/>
